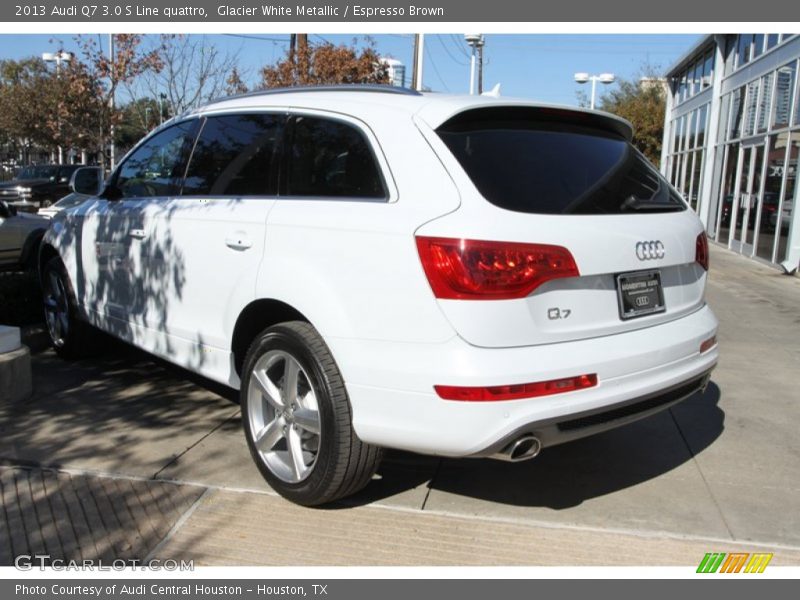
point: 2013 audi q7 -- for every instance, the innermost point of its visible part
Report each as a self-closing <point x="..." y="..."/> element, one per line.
<point x="373" y="268"/>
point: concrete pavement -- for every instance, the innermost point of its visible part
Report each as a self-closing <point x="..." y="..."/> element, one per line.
<point x="715" y="472"/>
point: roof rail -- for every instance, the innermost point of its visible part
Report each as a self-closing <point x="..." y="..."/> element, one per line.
<point x="376" y="88"/>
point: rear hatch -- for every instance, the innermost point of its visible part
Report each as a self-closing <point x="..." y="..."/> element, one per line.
<point x="565" y="230"/>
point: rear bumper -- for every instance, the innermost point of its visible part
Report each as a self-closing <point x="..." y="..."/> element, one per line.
<point x="639" y="373"/>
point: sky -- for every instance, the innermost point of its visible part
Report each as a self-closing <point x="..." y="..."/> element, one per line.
<point x="535" y="66"/>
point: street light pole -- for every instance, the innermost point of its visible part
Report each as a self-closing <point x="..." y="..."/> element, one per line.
<point x="475" y="41"/>
<point x="58" y="58"/>
<point x="604" y="78"/>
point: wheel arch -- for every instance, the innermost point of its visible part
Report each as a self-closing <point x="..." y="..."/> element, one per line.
<point x="30" y="246"/>
<point x="254" y="318"/>
<point x="46" y="252"/>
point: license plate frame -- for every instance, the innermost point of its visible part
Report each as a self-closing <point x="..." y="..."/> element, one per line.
<point x="636" y="301"/>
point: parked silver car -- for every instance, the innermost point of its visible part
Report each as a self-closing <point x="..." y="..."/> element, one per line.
<point x="20" y="235"/>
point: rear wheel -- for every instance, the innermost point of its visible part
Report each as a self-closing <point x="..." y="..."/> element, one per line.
<point x="297" y="418"/>
<point x="71" y="337"/>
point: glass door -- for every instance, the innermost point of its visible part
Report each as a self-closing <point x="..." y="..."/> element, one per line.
<point x="747" y="199"/>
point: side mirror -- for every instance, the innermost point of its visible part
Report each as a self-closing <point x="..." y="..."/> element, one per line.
<point x="87" y="180"/>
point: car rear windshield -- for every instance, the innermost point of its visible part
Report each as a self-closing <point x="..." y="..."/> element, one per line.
<point x="525" y="160"/>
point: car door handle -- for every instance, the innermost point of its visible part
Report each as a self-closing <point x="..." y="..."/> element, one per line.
<point x="137" y="234"/>
<point x="238" y="243"/>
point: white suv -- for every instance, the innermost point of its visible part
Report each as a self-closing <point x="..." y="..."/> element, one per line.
<point x="378" y="268"/>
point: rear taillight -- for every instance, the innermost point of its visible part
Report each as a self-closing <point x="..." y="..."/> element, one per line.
<point x="701" y="251"/>
<point x="482" y="270"/>
<point x="515" y="391"/>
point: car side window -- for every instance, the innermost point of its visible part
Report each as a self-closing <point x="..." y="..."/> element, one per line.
<point x="234" y="156"/>
<point x="153" y="167"/>
<point x="329" y="158"/>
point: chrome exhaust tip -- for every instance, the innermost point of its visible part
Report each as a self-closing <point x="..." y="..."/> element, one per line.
<point x="523" y="448"/>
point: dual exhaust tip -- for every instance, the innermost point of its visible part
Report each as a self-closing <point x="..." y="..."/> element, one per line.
<point x="524" y="447"/>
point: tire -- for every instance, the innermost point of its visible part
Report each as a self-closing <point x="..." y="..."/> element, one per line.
<point x="71" y="337"/>
<point x="302" y="441"/>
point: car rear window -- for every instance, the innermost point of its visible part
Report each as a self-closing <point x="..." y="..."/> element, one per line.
<point x="525" y="160"/>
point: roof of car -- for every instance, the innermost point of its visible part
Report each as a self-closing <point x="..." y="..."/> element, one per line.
<point x="434" y="108"/>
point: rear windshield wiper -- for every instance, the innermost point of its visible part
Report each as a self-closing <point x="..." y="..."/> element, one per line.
<point x="638" y="204"/>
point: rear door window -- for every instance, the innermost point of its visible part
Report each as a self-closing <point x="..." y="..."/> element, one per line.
<point x="234" y="156"/>
<point x="329" y="158"/>
<point x="522" y="162"/>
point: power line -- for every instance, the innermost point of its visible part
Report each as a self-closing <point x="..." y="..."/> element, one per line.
<point x="450" y="54"/>
<point x="256" y="37"/>
<point x="435" y="68"/>
<point x="457" y="43"/>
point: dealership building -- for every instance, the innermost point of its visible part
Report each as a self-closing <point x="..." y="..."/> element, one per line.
<point x="732" y="141"/>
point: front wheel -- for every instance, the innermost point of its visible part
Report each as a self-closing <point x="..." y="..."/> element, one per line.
<point x="71" y="337"/>
<point x="297" y="418"/>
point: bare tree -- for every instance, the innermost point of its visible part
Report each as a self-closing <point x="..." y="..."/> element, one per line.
<point x="193" y="71"/>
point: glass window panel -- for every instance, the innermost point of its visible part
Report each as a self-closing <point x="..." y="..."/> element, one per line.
<point x="737" y="111"/>
<point x="701" y="125"/>
<point x="784" y="90"/>
<point x="796" y="118"/>
<point x="772" y="40"/>
<point x="765" y="103"/>
<point x="743" y="49"/>
<point x="153" y="168"/>
<point x="789" y="197"/>
<point x="683" y="86"/>
<point x="691" y="130"/>
<point x="697" y="170"/>
<point x="676" y="135"/>
<point x="727" y="190"/>
<point x="758" y="44"/>
<point x="233" y="156"/>
<point x="331" y="159"/>
<point x="708" y="68"/>
<point x="752" y="106"/>
<point x="697" y="76"/>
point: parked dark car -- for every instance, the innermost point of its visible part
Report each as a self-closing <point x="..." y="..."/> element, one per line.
<point x="37" y="186"/>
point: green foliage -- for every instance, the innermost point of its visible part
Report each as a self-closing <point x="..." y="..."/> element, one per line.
<point x="642" y="102"/>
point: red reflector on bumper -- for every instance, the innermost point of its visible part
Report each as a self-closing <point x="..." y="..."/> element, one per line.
<point x="708" y="344"/>
<point x="515" y="391"/>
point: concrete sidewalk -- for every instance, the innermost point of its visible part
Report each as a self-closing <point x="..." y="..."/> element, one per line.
<point x="71" y="516"/>
<point x="716" y="472"/>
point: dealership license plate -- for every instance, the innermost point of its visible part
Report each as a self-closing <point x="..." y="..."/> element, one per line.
<point x="640" y="294"/>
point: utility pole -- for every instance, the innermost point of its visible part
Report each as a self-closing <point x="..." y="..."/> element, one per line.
<point x="302" y="50"/>
<point x="112" y="149"/>
<point x="292" y="46"/>
<point x="480" y="69"/>
<point x="419" y="52"/>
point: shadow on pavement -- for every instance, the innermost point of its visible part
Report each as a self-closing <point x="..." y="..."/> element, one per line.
<point x="130" y="413"/>
<point x="122" y="411"/>
<point x="566" y="475"/>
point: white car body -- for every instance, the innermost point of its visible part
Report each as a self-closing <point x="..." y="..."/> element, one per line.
<point x="190" y="267"/>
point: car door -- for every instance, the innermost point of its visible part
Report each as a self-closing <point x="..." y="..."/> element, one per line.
<point x="211" y="239"/>
<point x="117" y="241"/>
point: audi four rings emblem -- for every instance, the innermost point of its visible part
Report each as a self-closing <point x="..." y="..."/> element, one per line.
<point x="650" y="250"/>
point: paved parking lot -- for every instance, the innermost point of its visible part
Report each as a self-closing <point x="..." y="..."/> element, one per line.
<point x="717" y="472"/>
